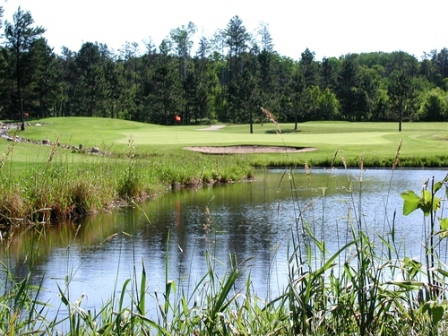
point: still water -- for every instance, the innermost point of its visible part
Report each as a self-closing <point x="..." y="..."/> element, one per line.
<point x="251" y="221"/>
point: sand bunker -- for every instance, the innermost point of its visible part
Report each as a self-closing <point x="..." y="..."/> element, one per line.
<point x="247" y="149"/>
<point x="212" y="128"/>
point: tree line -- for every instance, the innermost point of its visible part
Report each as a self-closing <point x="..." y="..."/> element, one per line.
<point x="227" y="78"/>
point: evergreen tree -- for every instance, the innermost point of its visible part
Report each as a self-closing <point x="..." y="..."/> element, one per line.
<point x="91" y="87"/>
<point x="267" y="80"/>
<point x="329" y="71"/>
<point x="206" y="82"/>
<point x="309" y="78"/>
<point x="237" y="41"/>
<point x="266" y="40"/>
<point x="182" y="41"/>
<point x="46" y="77"/>
<point x="347" y="86"/>
<point x="133" y="90"/>
<point x="20" y="35"/>
<point x="165" y="98"/>
<point x="309" y="68"/>
<point x="68" y="81"/>
<point x="298" y="88"/>
<point x="440" y="61"/>
<point x="244" y="95"/>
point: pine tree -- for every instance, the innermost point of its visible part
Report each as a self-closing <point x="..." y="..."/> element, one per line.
<point x="20" y="35"/>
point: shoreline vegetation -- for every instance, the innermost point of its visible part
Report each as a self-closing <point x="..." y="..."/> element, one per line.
<point x="135" y="161"/>
<point x="365" y="288"/>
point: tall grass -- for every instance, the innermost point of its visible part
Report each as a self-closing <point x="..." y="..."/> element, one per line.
<point x="20" y="308"/>
<point x="67" y="185"/>
<point x="371" y="290"/>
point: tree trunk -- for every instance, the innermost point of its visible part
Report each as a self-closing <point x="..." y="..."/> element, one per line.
<point x="251" y="121"/>
<point x="22" y="118"/>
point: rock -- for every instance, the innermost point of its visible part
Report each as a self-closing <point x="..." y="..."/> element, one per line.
<point x="46" y="142"/>
<point x="95" y="150"/>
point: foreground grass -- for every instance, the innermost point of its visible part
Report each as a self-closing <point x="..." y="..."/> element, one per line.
<point x="365" y="288"/>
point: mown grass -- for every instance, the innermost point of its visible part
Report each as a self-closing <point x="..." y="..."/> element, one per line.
<point x="424" y="144"/>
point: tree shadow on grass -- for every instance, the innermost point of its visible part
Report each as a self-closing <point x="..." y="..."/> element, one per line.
<point x="284" y="131"/>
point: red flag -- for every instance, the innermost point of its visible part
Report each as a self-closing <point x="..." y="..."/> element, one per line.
<point x="177" y="118"/>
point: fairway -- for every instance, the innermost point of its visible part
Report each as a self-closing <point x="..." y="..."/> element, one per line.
<point x="428" y="140"/>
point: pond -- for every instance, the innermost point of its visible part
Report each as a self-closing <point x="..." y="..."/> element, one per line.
<point x="249" y="224"/>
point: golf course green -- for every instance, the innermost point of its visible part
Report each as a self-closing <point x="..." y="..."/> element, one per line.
<point x="423" y="144"/>
<point x="65" y="167"/>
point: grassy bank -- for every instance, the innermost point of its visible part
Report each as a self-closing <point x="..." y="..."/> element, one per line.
<point x="136" y="160"/>
<point x="61" y="184"/>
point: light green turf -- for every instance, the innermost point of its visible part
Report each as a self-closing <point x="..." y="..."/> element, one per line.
<point x="352" y="139"/>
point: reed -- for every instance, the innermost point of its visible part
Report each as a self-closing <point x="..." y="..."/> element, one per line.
<point x="372" y="290"/>
<point x="55" y="187"/>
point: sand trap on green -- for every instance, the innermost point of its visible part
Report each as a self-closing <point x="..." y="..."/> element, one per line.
<point x="246" y="149"/>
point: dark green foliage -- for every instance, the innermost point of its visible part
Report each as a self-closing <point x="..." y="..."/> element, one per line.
<point x="230" y="75"/>
<point x="402" y="95"/>
<point x="21" y="60"/>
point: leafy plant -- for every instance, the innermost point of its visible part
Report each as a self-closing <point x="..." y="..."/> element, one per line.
<point x="429" y="204"/>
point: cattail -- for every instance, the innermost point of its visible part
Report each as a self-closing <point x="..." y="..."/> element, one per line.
<point x="271" y="118"/>
<point x="334" y="158"/>
<point x="8" y="152"/>
<point x="396" y="160"/>
<point x="343" y="161"/>
<point x="52" y="152"/>
<point x="6" y="155"/>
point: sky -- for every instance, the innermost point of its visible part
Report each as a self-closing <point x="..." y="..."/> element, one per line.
<point x="326" y="27"/>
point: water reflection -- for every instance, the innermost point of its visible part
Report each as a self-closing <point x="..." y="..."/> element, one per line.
<point x="252" y="222"/>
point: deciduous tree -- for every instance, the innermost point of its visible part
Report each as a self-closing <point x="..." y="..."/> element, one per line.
<point x="435" y="106"/>
<point x="401" y="95"/>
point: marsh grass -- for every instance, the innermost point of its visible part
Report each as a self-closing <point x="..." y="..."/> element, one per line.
<point x="373" y="289"/>
<point x="20" y="307"/>
<point x="61" y="185"/>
